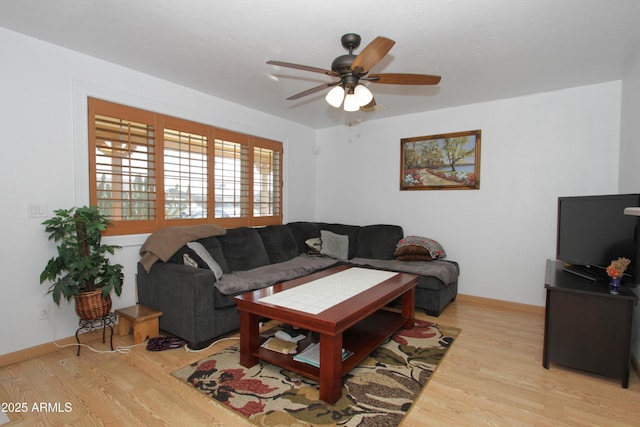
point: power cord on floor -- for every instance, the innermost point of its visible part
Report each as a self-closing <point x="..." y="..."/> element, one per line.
<point x="190" y="350"/>
<point x="119" y="349"/>
<point x="127" y="349"/>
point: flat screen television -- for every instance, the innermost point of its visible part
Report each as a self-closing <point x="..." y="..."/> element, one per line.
<point x="593" y="231"/>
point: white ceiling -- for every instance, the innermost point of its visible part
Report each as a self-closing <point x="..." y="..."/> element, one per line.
<point x="483" y="49"/>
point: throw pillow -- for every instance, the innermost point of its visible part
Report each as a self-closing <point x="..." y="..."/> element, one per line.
<point x="314" y="245"/>
<point x="187" y="260"/>
<point x="414" y="258"/>
<point x="334" y="245"/>
<point x="207" y="258"/>
<point x="412" y="253"/>
<point x="351" y="231"/>
<point x="434" y="249"/>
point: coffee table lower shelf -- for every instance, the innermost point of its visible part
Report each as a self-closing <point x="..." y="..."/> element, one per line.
<point x="361" y="339"/>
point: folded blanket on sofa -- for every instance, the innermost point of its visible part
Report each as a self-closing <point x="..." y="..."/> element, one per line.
<point x="267" y="275"/>
<point x="165" y="242"/>
<point x="443" y="270"/>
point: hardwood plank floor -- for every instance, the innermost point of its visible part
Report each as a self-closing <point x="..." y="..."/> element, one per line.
<point x="492" y="376"/>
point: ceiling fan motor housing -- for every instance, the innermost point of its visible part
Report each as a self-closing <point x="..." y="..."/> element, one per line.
<point x="342" y="64"/>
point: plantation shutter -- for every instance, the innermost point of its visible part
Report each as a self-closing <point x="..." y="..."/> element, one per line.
<point x="122" y="165"/>
<point x="267" y="181"/>
<point x="185" y="183"/>
<point x="231" y="178"/>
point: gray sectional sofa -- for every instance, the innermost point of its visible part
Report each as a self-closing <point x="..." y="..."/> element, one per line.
<point x="195" y="288"/>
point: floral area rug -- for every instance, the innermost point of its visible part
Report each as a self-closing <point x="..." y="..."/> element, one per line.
<point x="378" y="392"/>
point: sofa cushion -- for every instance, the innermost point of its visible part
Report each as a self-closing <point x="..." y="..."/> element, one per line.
<point x="378" y="241"/>
<point x="303" y="231"/>
<point x="446" y="271"/>
<point x="212" y="244"/>
<point x="245" y="281"/>
<point x="278" y="242"/>
<point x="334" y="245"/>
<point x="351" y="231"/>
<point x="243" y="249"/>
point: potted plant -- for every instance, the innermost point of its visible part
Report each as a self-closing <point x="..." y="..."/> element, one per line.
<point x="82" y="269"/>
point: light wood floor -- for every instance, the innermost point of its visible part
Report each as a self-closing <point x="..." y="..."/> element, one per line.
<point x="492" y="376"/>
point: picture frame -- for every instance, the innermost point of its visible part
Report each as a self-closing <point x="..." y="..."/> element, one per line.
<point x="449" y="161"/>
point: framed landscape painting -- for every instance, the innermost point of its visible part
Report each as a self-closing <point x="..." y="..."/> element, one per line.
<point x="449" y="161"/>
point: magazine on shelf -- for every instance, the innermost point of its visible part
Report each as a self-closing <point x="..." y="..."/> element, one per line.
<point x="311" y="355"/>
<point x="280" y="346"/>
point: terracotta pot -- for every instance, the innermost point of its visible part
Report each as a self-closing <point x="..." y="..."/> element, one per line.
<point x="92" y="305"/>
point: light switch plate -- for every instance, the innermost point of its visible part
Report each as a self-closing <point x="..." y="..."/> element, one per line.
<point x="37" y="210"/>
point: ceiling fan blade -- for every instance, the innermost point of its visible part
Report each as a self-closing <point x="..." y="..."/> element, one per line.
<point x="312" y="90"/>
<point x="372" y="54"/>
<point x="403" y="79"/>
<point x="303" y="67"/>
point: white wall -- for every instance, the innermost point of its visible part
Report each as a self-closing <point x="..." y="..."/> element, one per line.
<point x="534" y="149"/>
<point x="630" y="131"/>
<point x="630" y="157"/>
<point x="43" y="91"/>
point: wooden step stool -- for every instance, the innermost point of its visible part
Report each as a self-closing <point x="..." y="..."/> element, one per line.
<point x="143" y="319"/>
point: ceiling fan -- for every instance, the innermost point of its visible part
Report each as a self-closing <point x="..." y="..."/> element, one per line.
<point x="352" y="70"/>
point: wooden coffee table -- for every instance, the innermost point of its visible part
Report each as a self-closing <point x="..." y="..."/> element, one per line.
<point x="358" y="324"/>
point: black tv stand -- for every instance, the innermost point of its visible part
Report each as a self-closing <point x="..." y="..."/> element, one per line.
<point x="587" y="328"/>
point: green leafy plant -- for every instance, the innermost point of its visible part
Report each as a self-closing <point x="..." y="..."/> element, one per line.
<point x="82" y="263"/>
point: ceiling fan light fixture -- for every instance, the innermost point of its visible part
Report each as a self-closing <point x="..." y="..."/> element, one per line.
<point x="351" y="103"/>
<point x="363" y="95"/>
<point x="335" y="96"/>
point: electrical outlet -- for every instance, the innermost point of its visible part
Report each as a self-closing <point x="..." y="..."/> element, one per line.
<point x="43" y="311"/>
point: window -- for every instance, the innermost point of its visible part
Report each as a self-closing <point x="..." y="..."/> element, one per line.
<point x="149" y="171"/>
<point x="266" y="181"/>
<point x="185" y="169"/>
<point x="231" y="178"/>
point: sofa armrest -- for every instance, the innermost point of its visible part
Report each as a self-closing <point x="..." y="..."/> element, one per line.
<point x="184" y="295"/>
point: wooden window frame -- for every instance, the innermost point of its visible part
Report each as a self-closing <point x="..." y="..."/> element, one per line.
<point x="161" y="122"/>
